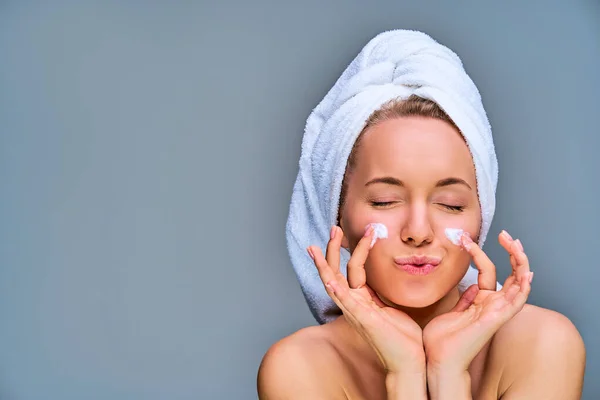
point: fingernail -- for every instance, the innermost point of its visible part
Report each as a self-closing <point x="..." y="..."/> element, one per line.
<point x="310" y="253"/>
<point x="332" y="233"/>
<point x="507" y="235"/>
<point x="466" y="240"/>
<point x="368" y="230"/>
<point x="519" y="245"/>
<point x="530" y="276"/>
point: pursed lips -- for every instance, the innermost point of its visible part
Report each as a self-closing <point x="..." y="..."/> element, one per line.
<point x="417" y="260"/>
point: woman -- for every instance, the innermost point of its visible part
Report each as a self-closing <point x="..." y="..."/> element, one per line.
<point x="402" y="141"/>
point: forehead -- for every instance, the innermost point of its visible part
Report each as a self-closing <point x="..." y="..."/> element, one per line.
<point x="417" y="145"/>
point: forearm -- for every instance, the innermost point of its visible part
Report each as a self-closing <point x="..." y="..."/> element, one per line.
<point x="455" y="385"/>
<point x="406" y="386"/>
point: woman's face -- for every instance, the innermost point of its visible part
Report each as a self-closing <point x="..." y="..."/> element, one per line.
<point x="416" y="176"/>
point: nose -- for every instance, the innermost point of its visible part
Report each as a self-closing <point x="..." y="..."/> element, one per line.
<point x="417" y="229"/>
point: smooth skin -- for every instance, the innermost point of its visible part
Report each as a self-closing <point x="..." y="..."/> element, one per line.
<point x="414" y="337"/>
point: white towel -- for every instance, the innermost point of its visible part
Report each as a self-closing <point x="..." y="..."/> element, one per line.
<point x="394" y="64"/>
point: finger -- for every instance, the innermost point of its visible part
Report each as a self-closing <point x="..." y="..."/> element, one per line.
<point x="336" y="283"/>
<point x="466" y="299"/>
<point x="328" y="276"/>
<point x="363" y="316"/>
<point x="505" y="240"/>
<point x="520" y="287"/>
<point x="487" y="269"/>
<point x="518" y="259"/>
<point x="521" y="268"/>
<point x="332" y="254"/>
<point x="349" y="305"/>
<point x="512" y="291"/>
<point x="329" y="288"/>
<point x="357" y="276"/>
<point x="518" y="294"/>
<point x="508" y="283"/>
<point x="326" y="273"/>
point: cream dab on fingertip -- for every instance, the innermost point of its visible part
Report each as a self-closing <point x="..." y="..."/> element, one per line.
<point x="379" y="232"/>
<point x="454" y="234"/>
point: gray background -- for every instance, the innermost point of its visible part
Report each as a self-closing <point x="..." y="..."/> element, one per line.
<point x="148" y="152"/>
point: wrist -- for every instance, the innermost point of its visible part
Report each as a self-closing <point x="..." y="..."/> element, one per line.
<point x="444" y="369"/>
<point x="406" y="385"/>
<point x="448" y="382"/>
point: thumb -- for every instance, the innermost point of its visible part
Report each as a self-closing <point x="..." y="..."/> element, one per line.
<point x="466" y="299"/>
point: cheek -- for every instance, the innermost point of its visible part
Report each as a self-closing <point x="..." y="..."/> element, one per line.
<point x="471" y="228"/>
<point x="468" y="222"/>
<point x="354" y="229"/>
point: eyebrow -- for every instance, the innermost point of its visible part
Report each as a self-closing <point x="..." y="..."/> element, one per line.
<point x="389" y="180"/>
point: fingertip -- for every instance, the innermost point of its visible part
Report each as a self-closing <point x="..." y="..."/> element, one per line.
<point x="474" y="288"/>
<point x="317" y="253"/>
<point x="506" y="235"/>
<point x="340" y="235"/>
<point x="501" y="237"/>
<point x="505" y="242"/>
<point x="467" y="243"/>
<point x="471" y="293"/>
<point x="367" y="239"/>
<point x="310" y="252"/>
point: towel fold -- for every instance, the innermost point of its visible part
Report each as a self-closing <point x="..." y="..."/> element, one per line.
<point x="394" y="64"/>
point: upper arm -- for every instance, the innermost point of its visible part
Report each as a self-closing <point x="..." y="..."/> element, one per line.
<point x="288" y="371"/>
<point x="554" y="364"/>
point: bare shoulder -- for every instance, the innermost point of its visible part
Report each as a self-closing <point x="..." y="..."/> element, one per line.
<point x="300" y="366"/>
<point x="543" y="355"/>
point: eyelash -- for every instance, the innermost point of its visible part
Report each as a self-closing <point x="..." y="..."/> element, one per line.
<point x="386" y="203"/>
<point x="381" y="204"/>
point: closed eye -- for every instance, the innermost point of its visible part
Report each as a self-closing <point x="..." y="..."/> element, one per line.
<point x="452" y="208"/>
<point x="381" y="203"/>
<point x="387" y="203"/>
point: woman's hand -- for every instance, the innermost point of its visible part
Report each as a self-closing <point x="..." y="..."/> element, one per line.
<point x="452" y="340"/>
<point x="396" y="338"/>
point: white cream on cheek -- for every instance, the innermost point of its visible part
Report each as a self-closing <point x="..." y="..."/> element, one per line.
<point x="454" y="234"/>
<point x="380" y="231"/>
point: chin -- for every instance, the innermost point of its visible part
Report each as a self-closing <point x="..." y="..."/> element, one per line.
<point x="420" y="302"/>
<point x="416" y="300"/>
<point x="411" y="293"/>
